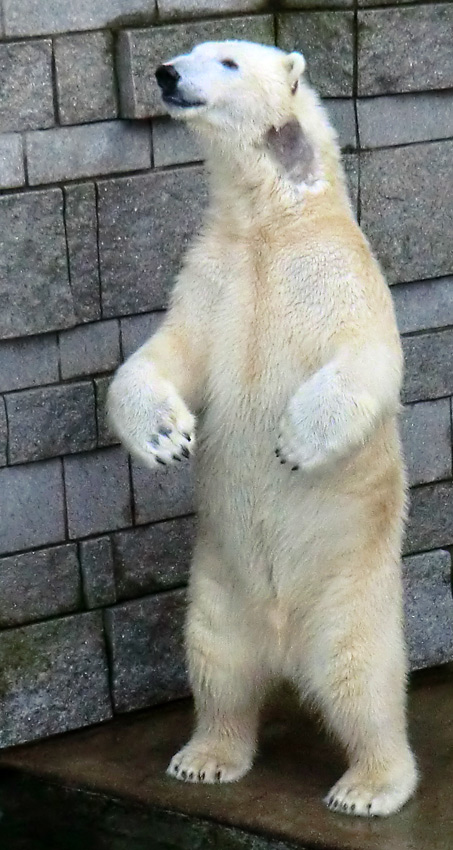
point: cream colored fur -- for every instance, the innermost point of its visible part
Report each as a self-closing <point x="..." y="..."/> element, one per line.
<point x="280" y="350"/>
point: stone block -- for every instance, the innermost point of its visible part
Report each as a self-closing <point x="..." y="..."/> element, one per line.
<point x="31" y="506"/>
<point x="426" y="433"/>
<point x="430" y="523"/>
<point x="12" y="172"/>
<point x="383" y="2"/>
<point x="146" y="648"/>
<point x="424" y="304"/>
<point x="97" y="492"/>
<point x="153" y="558"/>
<point x="136" y="330"/>
<point x="35" y="295"/>
<point x="406" y="207"/>
<point x="174" y="9"/>
<point x="162" y="493"/>
<point x="428" y="606"/>
<point x="105" y="436"/>
<point x="310" y="4"/>
<point x="173" y="143"/>
<point x="342" y="115"/>
<point x="429" y="366"/>
<point x="33" y="17"/>
<point x="85" y="77"/>
<point x="3" y="433"/>
<point x="405" y="118"/>
<point x="145" y="225"/>
<point x="53" y="678"/>
<point x="403" y="50"/>
<point x="28" y="362"/>
<point x="40" y="584"/>
<point x="326" y="41"/>
<point x="351" y="167"/>
<point x="90" y="348"/>
<point x="26" y="97"/>
<point x="97" y="572"/>
<point x="81" y="234"/>
<point x="50" y="421"/>
<point x="68" y="153"/>
<point x="140" y="51"/>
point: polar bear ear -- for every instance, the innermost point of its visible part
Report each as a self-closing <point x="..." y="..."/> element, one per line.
<point x="295" y="66"/>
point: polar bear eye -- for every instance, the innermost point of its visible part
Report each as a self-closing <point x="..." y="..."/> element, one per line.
<point x="230" y="63"/>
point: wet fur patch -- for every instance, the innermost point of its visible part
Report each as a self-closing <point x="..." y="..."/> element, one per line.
<point x="294" y="153"/>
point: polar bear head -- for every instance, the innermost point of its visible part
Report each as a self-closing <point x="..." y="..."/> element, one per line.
<point x="252" y="105"/>
<point x="233" y="87"/>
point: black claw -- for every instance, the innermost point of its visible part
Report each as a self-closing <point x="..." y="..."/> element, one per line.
<point x="218" y="775"/>
<point x="369" y="807"/>
<point x="345" y="807"/>
<point x="202" y="776"/>
<point x="187" y="436"/>
<point x="183" y="774"/>
<point x="176" y="457"/>
<point x="282" y="460"/>
<point x="185" y="451"/>
<point x="277" y="452"/>
<point x="352" y="807"/>
<point x="164" y="431"/>
<point x="162" y="462"/>
<point x="294" y="468"/>
<point x="154" y="439"/>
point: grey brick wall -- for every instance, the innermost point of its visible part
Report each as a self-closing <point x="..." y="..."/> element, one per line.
<point x="94" y="549"/>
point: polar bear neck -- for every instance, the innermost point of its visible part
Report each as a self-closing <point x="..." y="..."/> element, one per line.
<point x="293" y="170"/>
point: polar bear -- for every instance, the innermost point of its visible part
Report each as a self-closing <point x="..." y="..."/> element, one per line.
<point x="280" y="358"/>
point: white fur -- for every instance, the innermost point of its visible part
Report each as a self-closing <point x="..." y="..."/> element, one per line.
<point x="281" y="339"/>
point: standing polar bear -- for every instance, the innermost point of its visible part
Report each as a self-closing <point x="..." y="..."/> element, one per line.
<point x="281" y="340"/>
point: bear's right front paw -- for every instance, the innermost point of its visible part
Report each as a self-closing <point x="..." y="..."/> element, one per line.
<point x="149" y="417"/>
<point x="170" y="442"/>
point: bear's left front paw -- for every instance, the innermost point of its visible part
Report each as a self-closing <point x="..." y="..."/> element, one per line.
<point x="304" y="453"/>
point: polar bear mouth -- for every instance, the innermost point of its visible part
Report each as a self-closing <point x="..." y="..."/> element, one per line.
<point x="181" y="102"/>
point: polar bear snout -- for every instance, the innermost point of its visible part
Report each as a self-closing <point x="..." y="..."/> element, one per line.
<point x="167" y="79"/>
<point x="174" y="93"/>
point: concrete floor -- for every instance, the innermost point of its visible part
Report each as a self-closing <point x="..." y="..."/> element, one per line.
<point x="280" y="800"/>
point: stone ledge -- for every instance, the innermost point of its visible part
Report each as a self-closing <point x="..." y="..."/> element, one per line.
<point x="107" y="786"/>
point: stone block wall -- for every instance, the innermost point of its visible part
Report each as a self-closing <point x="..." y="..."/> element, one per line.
<point x="99" y="195"/>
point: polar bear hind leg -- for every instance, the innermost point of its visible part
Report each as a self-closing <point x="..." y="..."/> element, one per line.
<point x="357" y="672"/>
<point x="227" y="681"/>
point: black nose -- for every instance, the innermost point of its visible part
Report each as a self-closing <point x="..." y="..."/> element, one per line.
<point x="167" y="78"/>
